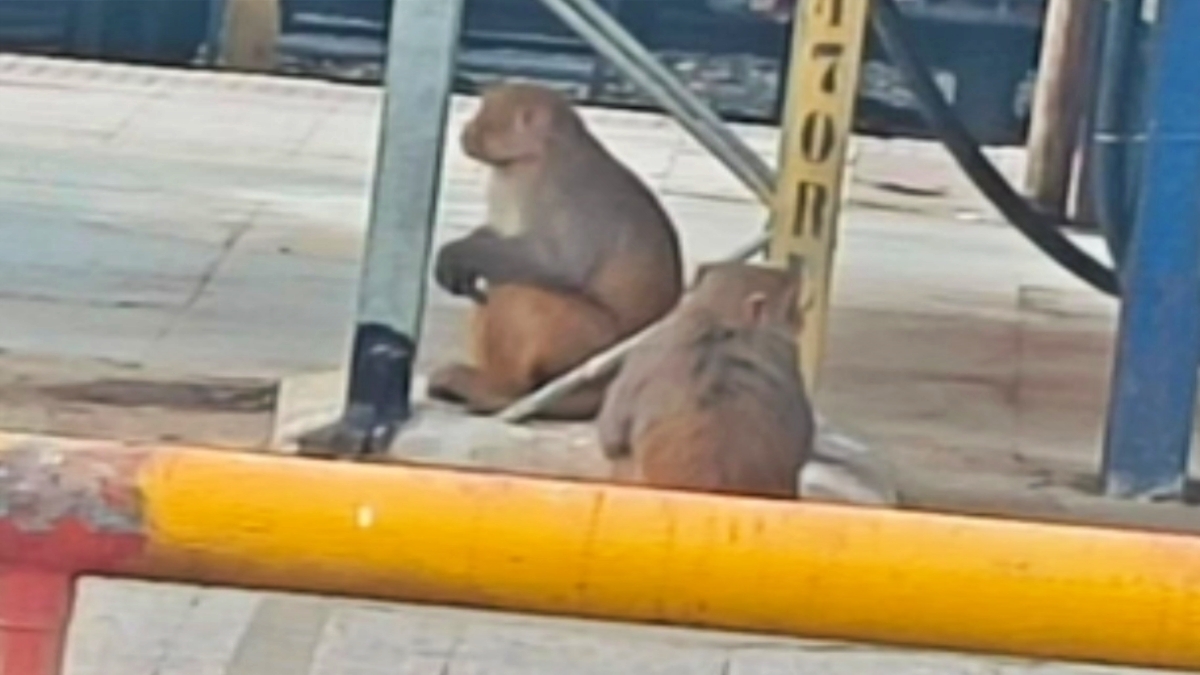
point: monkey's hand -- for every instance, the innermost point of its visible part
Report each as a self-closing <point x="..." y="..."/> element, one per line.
<point x="454" y="271"/>
<point x="487" y="257"/>
<point x="613" y="430"/>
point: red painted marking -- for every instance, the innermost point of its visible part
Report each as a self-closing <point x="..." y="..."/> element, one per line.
<point x="35" y="607"/>
<point x="70" y="547"/>
<point x="37" y="572"/>
<point x="44" y="545"/>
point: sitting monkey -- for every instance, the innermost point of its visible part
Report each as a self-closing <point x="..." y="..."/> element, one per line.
<point x="713" y="400"/>
<point x="577" y="254"/>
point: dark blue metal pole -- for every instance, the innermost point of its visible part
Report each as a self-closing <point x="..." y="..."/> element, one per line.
<point x="1154" y="384"/>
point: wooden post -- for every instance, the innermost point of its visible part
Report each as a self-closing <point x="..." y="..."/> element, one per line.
<point x="251" y="36"/>
<point x="1057" y="103"/>
<point x="827" y="46"/>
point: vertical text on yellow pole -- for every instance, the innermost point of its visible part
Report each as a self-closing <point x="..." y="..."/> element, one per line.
<point x="827" y="46"/>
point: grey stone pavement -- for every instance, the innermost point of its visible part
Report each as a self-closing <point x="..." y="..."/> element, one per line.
<point x="175" y="243"/>
<point x="133" y="628"/>
<point x="148" y="211"/>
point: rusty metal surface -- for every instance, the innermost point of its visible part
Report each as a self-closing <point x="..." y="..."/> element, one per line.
<point x="43" y="484"/>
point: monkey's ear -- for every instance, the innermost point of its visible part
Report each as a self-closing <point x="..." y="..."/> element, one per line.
<point x="533" y="118"/>
<point x="755" y="306"/>
<point x="702" y="271"/>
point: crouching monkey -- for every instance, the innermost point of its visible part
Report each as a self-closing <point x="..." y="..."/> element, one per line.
<point x="713" y="400"/>
<point x="576" y="254"/>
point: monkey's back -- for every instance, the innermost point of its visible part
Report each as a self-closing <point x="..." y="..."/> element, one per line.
<point x="721" y="410"/>
<point x="630" y="243"/>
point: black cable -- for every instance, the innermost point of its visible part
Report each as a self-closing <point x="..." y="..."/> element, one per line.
<point x="889" y="25"/>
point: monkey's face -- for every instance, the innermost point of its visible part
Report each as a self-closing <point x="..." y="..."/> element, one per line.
<point x="505" y="130"/>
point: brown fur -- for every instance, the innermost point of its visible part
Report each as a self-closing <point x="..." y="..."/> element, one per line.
<point x="577" y="253"/>
<point x="713" y="400"/>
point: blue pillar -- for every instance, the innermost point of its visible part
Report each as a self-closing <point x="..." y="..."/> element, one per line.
<point x="1154" y="383"/>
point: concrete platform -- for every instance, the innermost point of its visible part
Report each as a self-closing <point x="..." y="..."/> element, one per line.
<point x="131" y="628"/>
<point x="185" y="227"/>
<point x="178" y="243"/>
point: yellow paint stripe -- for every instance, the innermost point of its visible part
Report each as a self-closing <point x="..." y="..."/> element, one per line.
<point x="578" y="549"/>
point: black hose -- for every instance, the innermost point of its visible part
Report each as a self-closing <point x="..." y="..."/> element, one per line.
<point x="889" y="25"/>
<point x="1109" y="140"/>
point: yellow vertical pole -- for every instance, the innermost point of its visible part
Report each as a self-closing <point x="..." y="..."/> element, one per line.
<point x="827" y="47"/>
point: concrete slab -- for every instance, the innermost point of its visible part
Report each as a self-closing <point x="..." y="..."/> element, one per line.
<point x="170" y="240"/>
<point x="96" y="397"/>
<point x="841" y="470"/>
<point x="136" y="628"/>
<point x="233" y="256"/>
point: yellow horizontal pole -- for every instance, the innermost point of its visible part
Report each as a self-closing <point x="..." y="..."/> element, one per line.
<point x="808" y="570"/>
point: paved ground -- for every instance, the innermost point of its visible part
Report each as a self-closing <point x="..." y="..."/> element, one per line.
<point x="177" y="242"/>
<point x="180" y="241"/>
<point x="127" y="628"/>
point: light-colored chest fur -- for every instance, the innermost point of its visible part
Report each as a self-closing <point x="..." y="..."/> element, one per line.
<point x="504" y="205"/>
